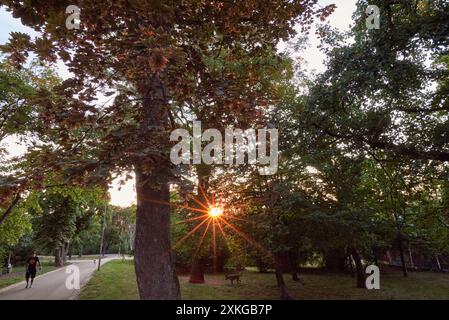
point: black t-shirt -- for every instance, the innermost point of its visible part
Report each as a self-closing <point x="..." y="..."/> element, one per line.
<point x="32" y="263"/>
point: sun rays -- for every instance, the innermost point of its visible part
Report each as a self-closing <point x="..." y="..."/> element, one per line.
<point x="215" y="212"/>
<point x="212" y="219"/>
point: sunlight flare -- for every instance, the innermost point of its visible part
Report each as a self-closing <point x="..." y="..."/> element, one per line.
<point x="215" y="212"/>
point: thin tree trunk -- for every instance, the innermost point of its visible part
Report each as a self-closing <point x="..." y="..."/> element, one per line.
<point x="412" y="264"/>
<point x="198" y="268"/>
<point x="65" y="252"/>
<point x="351" y="266"/>
<point x="376" y="262"/>
<point x="401" y="254"/>
<point x="282" y="287"/>
<point x="295" y="276"/>
<point x="358" y="267"/>
<point x="280" y="281"/>
<point x="8" y="264"/>
<point x="155" y="271"/>
<point x="438" y="262"/>
<point x="62" y="254"/>
<point x="197" y="271"/>
<point x="294" y="265"/>
<point x="335" y="260"/>
<point x="261" y="264"/>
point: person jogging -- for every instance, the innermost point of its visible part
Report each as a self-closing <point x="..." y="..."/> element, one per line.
<point x="31" y="268"/>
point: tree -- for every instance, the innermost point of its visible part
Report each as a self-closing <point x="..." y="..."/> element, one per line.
<point x="13" y="229"/>
<point x="375" y="108"/>
<point x="376" y="92"/>
<point x="159" y="50"/>
<point x="124" y="220"/>
<point x="61" y="215"/>
<point x="220" y="111"/>
<point x="17" y="122"/>
<point x="15" y="90"/>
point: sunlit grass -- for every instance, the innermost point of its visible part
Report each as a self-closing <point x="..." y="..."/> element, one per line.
<point x="117" y="281"/>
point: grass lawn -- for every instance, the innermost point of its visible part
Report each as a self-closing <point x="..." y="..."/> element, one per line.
<point x="18" y="274"/>
<point x="116" y="280"/>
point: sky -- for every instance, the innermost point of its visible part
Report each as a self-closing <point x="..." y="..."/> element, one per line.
<point x="125" y="196"/>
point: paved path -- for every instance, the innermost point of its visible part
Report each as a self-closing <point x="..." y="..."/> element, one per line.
<point x="51" y="285"/>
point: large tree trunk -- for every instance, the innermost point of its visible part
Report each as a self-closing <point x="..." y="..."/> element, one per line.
<point x="58" y="257"/>
<point x="156" y="277"/>
<point x="358" y="267"/>
<point x="155" y="271"/>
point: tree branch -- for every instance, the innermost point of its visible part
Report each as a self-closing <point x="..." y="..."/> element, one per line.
<point x="403" y="150"/>
<point x="10" y="208"/>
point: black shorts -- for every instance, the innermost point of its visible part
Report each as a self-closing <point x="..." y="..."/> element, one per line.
<point x="30" y="274"/>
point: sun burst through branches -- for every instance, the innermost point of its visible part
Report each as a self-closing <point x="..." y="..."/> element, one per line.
<point x="215" y="212"/>
<point x="212" y="217"/>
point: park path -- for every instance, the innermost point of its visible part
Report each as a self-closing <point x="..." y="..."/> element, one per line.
<point x="51" y="285"/>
